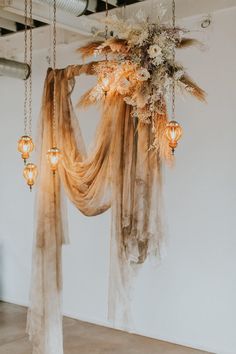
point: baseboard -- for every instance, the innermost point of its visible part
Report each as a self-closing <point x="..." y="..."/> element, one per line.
<point x="142" y="333"/>
<point x="13" y="301"/>
<point x="106" y="323"/>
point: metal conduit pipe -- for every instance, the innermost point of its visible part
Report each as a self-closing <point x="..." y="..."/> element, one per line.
<point x="15" y="69"/>
<point x="75" y="7"/>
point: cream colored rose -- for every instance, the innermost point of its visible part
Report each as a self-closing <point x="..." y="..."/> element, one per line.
<point x="154" y="51"/>
<point x="142" y="74"/>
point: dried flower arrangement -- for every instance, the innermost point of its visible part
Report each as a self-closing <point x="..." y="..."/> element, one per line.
<point x="140" y="67"/>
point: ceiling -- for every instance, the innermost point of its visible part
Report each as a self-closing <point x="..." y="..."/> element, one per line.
<point x="73" y="29"/>
<point x="12" y="14"/>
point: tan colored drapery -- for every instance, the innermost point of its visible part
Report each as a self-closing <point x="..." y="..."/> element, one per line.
<point x="122" y="172"/>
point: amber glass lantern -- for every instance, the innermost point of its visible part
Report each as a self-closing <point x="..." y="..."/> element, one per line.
<point x="54" y="156"/>
<point x="25" y="147"/>
<point x="30" y="174"/>
<point x="104" y="82"/>
<point x="173" y="133"/>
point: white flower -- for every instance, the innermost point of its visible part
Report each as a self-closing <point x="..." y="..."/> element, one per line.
<point x="142" y="74"/>
<point x="157" y="61"/>
<point x="154" y="51"/>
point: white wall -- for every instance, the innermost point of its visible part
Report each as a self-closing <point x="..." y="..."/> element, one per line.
<point x="191" y="297"/>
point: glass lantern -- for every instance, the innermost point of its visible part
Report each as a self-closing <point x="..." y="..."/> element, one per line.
<point x="173" y="133"/>
<point x="104" y="82"/>
<point x="54" y="156"/>
<point x="25" y="147"/>
<point x="30" y="174"/>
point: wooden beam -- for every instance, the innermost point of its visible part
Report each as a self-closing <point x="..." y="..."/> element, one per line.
<point x="8" y="24"/>
<point x="14" y="17"/>
<point x="81" y="25"/>
<point x="111" y="2"/>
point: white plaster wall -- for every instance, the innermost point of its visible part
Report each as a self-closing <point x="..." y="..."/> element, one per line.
<point x="190" y="298"/>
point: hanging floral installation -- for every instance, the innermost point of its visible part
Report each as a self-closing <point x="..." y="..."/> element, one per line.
<point x="135" y="84"/>
<point x="141" y="70"/>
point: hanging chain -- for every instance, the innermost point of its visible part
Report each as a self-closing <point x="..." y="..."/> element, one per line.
<point x="106" y="37"/>
<point x="49" y="56"/>
<point x="173" y="14"/>
<point x="106" y="27"/>
<point x="26" y="62"/>
<point x="30" y="64"/>
<point x="54" y="33"/>
<point x="124" y="5"/>
<point x="173" y="62"/>
<point x="54" y="72"/>
<point x="28" y="82"/>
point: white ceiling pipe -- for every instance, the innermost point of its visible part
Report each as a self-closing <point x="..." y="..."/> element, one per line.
<point x="74" y="7"/>
<point x="14" y="69"/>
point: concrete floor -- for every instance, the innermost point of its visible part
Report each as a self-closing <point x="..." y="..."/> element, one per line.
<point x="80" y="337"/>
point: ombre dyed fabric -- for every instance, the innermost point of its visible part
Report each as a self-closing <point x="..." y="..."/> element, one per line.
<point x="121" y="173"/>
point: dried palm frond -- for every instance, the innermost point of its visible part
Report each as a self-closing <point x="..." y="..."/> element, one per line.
<point x="85" y="100"/>
<point x="114" y="45"/>
<point x="89" y="49"/>
<point x="187" y="42"/>
<point x="193" y="88"/>
<point x="77" y="70"/>
<point x="89" y="68"/>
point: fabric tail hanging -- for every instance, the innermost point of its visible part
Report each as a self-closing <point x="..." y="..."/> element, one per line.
<point x="136" y="211"/>
<point x="44" y="315"/>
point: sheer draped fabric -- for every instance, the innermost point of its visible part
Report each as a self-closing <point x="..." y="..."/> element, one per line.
<point x="121" y="173"/>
